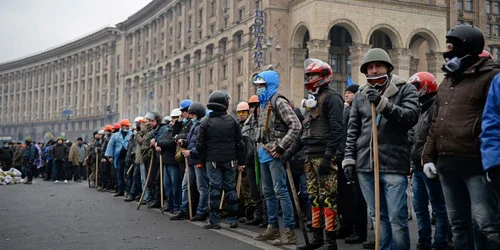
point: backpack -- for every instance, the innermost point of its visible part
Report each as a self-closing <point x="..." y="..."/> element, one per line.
<point x="279" y="124"/>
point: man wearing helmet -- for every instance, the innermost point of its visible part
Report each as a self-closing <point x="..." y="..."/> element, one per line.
<point x="116" y="152"/>
<point x="132" y="160"/>
<point x="397" y="112"/>
<point x="219" y="144"/>
<point x="158" y="132"/>
<point x="105" y="168"/>
<point x="322" y="133"/>
<point x="452" y="150"/>
<point x="426" y="190"/>
<point x="277" y="129"/>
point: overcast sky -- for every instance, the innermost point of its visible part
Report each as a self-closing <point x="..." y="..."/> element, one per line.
<point x="30" y="26"/>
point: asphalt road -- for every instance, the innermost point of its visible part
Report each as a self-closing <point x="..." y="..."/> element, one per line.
<point x="46" y="215"/>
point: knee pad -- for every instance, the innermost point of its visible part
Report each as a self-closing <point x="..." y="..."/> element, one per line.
<point x="215" y="193"/>
<point x="314" y="199"/>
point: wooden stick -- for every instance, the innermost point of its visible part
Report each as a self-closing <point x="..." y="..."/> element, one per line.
<point x="221" y="200"/>
<point x="238" y="185"/>
<point x="376" y="177"/>
<point x="189" y="188"/>
<point x="130" y="169"/>
<point x="161" y="182"/>
<point x="88" y="174"/>
<point x="297" y="204"/>
<point x="96" y="170"/>
<point x="147" y="181"/>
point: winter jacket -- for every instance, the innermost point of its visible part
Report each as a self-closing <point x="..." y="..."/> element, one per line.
<point x="7" y="154"/>
<point x="421" y="130"/>
<point x="219" y="138"/>
<point x="164" y="137"/>
<point x="48" y="157"/>
<point x="194" y="158"/>
<point x="38" y="159"/>
<point x="116" y="144"/>
<point x="18" y="157"/>
<point x="59" y="152"/>
<point x="456" y="122"/>
<point x="29" y="154"/>
<point x="91" y="152"/>
<point x="398" y="112"/>
<point x="146" y="150"/>
<point x="490" y="137"/>
<point x="129" y="158"/>
<point x="73" y="154"/>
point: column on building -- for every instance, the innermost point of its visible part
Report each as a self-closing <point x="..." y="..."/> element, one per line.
<point x="435" y="61"/>
<point x="318" y="49"/>
<point x="400" y="58"/>
<point x="358" y="52"/>
<point x="414" y="65"/>
<point x="297" y="57"/>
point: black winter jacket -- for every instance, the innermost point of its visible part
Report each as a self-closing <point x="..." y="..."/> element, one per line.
<point x="219" y="138"/>
<point x="421" y="131"/>
<point x="59" y="152"/>
<point x="166" y="142"/>
<point x="398" y="112"/>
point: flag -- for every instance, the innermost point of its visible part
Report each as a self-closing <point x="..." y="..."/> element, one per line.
<point x="350" y="81"/>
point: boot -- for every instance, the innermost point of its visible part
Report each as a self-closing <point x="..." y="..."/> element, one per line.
<point x="317" y="240"/>
<point x="255" y="222"/>
<point x="287" y="238"/>
<point x="330" y="241"/>
<point x="271" y="233"/>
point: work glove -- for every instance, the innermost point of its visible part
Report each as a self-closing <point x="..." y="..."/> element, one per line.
<point x="349" y="173"/>
<point x="325" y="166"/>
<point x="430" y="170"/>
<point x="373" y="96"/>
<point x="285" y="158"/>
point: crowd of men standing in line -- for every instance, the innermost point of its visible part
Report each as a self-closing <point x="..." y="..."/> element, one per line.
<point x="198" y="153"/>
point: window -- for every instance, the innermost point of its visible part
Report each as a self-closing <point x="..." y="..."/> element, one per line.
<point x="188" y="80"/>
<point x="496" y="31"/>
<point x="488" y="7"/>
<point x="224" y="71"/>
<point x="190" y="19"/>
<point x="212" y="28"/>
<point x="468" y="5"/>
<point x="212" y="10"/>
<point x="198" y="97"/>
<point x="199" y="79"/>
<point x="200" y="18"/>
<point x="488" y="29"/>
<point x="189" y="40"/>
<point x="241" y="13"/>
<point x="118" y="61"/>
<point x="240" y="66"/>
<point x="238" y="41"/>
<point x="226" y="22"/>
<point x="211" y="75"/>
<point x="257" y="5"/>
<point x="335" y="61"/>
<point x="497" y="55"/>
<point x="460" y="4"/>
<point x="496" y="7"/>
<point x="200" y="34"/>
<point x="91" y="68"/>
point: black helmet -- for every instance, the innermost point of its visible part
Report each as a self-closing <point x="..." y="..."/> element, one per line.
<point x="471" y="37"/>
<point x="95" y="132"/>
<point x="198" y="109"/>
<point x="153" y="115"/>
<point x="218" y="100"/>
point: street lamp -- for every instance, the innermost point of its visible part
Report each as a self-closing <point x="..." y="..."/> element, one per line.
<point x="148" y="74"/>
<point x="269" y="40"/>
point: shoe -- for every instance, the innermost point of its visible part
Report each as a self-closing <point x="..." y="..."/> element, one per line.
<point x="316" y="242"/>
<point x="65" y="181"/>
<point x="180" y="216"/>
<point x="199" y="217"/>
<point x="255" y="222"/>
<point x="154" y="205"/>
<point x="56" y="181"/>
<point x="28" y="182"/>
<point x="420" y="247"/>
<point x="233" y="225"/>
<point x="118" y="194"/>
<point x="262" y="225"/>
<point x="137" y="199"/>
<point x="271" y="233"/>
<point x="104" y="190"/>
<point x="287" y="238"/>
<point x="129" y="198"/>
<point x="242" y="220"/>
<point x="210" y="226"/>
<point x="113" y="191"/>
<point x="145" y="202"/>
<point x="330" y="241"/>
<point x="369" y="244"/>
<point x="355" y="239"/>
<point x="175" y="212"/>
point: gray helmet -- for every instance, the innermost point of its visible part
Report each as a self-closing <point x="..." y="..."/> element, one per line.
<point x="198" y="109"/>
<point x="167" y="119"/>
<point x="376" y="55"/>
<point x="153" y="115"/>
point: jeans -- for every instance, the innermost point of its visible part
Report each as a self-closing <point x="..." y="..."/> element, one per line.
<point x="129" y="177"/>
<point x="60" y="170"/>
<point x="120" y="178"/>
<point x="144" y="174"/>
<point x="73" y="172"/>
<point x="202" y="184"/>
<point x="466" y="196"/>
<point x="49" y="170"/>
<point x="394" y="232"/>
<point x="273" y="177"/>
<point x="135" y="189"/>
<point x="222" y="177"/>
<point x="427" y="190"/>
<point x="192" y="179"/>
<point x="30" y="169"/>
<point x="172" y="185"/>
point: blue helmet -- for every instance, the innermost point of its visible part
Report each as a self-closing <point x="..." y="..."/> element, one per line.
<point x="185" y="104"/>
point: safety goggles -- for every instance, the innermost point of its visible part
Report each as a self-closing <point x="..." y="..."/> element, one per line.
<point x="242" y="112"/>
<point x="377" y="81"/>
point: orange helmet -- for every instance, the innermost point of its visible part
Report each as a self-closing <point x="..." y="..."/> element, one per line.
<point x="117" y="126"/>
<point x="125" y="122"/>
<point x="253" y="99"/>
<point x="108" y="128"/>
<point x="315" y="66"/>
<point x="425" y="83"/>
<point x="485" y="53"/>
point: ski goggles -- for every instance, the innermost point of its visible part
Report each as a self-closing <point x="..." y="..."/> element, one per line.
<point x="377" y="81"/>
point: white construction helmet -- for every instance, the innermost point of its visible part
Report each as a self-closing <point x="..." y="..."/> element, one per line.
<point x="167" y="119"/>
<point x="175" y="113"/>
<point x="139" y="119"/>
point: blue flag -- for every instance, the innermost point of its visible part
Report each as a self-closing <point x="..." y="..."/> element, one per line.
<point x="350" y="81"/>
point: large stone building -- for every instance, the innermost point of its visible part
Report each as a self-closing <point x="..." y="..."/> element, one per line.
<point x="176" y="49"/>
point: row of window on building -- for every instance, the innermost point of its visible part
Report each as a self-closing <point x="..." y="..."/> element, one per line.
<point x="69" y="126"/>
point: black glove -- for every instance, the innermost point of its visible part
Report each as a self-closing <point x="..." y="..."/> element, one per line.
<point x="373" y="96"/>
<point x="279" y="150"/>
<point x="325" y="167"/>
<point x="349" y="173"/>
<point x="286" y="157"/>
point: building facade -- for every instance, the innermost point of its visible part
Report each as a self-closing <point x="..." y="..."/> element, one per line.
<point x="171" y="50"/>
